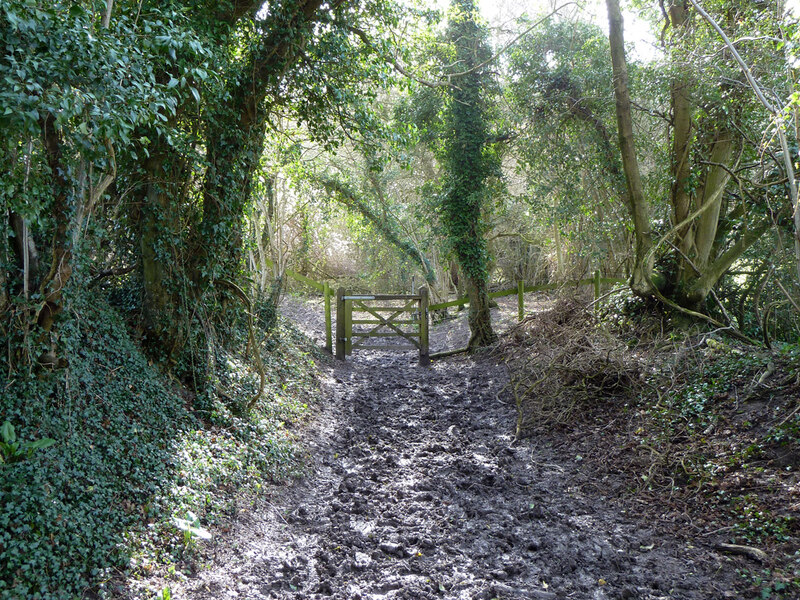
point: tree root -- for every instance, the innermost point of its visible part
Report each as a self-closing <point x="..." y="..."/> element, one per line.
<point x="754" y="553"/>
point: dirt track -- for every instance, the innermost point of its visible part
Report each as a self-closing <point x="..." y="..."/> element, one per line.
<point x="419" y="491"/>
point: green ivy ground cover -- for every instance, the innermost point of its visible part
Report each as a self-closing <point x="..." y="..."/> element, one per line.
<point x="131" y="456"/>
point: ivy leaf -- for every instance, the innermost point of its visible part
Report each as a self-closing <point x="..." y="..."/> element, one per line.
<point x="75" y="11"/>
<point x="185" y="525"/>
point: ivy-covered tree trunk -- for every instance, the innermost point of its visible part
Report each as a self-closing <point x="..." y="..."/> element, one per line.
<point x="235" y="135"/>
<point x="235" y="143"/>
<point x="159" y="217"/>
<point x="469" y="162"/>
<point x="52" y="285"/>
<point x="3" y="291"/>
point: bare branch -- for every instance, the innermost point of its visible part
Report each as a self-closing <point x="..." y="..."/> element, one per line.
<point x="107" y="15"/>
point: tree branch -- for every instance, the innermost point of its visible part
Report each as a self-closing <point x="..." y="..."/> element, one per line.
<point x="509" y="44"/>
<point x="776" y="114"/>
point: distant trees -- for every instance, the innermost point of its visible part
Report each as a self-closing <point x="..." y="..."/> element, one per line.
<point x="565" y="146"/>
<point x="132" y="133"/>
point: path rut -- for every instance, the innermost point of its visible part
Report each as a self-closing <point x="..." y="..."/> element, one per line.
<point x="418" y="490"/>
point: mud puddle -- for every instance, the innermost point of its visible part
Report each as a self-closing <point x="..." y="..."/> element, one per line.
<point x="419" y="491"/>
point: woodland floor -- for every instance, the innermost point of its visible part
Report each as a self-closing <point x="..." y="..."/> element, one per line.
<point x="417" y="489"/>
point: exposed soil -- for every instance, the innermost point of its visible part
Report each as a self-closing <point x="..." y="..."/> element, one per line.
<point x="418" y="489"/>
<point x="699" y="432"/>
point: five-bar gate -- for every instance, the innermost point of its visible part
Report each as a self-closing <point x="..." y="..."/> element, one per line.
<point x="394" y="321"/>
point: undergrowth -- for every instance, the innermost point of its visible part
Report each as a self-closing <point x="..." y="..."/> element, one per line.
<point x="697" y="426"/>
<point x="134" y="454"/>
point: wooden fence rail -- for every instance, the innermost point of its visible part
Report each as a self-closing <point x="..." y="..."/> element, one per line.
<point x="327" y="294"/>
<point x="521" y="289"/>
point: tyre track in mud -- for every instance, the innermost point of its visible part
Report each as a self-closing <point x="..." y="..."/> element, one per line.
<point x="418" y="490"/>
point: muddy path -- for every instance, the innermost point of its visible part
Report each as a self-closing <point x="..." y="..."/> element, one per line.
<point x="418" y="490"/>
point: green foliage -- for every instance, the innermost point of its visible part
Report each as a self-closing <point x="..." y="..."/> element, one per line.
<point x="756" y="524"/>
<point x="13" y="450"/>
<point x="63" y="512"/>
<point x="99" y="84"/>
<point x="767" y="585"/>
<point x="130" y="456"/>
<point x="561" y="92"/>
<point x="192" y="530"/>
<point x="384" y="222"/>
<point x="688" y="408"/>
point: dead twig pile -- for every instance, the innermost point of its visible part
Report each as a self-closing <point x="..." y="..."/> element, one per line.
<point x="561" y="363"/>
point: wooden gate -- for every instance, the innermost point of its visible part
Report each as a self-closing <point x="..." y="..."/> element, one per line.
<point x="405" y="326"/>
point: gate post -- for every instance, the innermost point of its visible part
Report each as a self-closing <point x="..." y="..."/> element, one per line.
<point x="348" y="327"/>
<point x="596" y="290"/>
<point x="340" y="329"/>
<point x="424" y="348"/>
<point x="326" y="294"/>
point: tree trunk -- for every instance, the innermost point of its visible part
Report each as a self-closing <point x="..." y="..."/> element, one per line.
<point x="681" y="145"/>
<point x="156" y="232"/>
<point x="697" y="292"/>
<point x="52" y="285"/>
<point x="305" y="241"/>
<point x="716" y="181"/>
<point x="468" y="166"/>
<point x="479" y="317"/>
<point x="3" y="292"/>
<point x="640" y="210"/>
<point x="25" y="253"/>
<point x="234" y="146"/>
